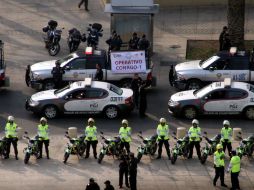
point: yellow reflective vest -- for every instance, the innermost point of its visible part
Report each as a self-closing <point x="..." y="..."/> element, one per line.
<point x="125" y="134"/>
<point x="226" y="134"/>
<point x="163" y="131"/>
<point x="10" y="130"/>
<point x="91" y="133"/>
<point x="194" y="132"/>
<point x="235" y="164"/>
<point x="219" y="159"/>
<point x="43" y="131"/>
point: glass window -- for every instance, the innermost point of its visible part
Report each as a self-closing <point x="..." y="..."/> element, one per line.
<point x="217" y="95"/>
<point x="209" y="61"/>
<point x="92" y="61"/>
<point x="65" y="59"/>
<point x="95" y="93"/>
<point x="79" y="94"/>
<point x="115" y="89"/>
<point x="78" y="64"/>
<point x="239" y="63"/>
<point x="236" y="94"/>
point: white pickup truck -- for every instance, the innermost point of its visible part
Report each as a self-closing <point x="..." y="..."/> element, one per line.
<point x="80" y="65"/>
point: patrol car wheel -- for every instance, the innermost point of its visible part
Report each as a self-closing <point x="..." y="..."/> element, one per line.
<point x="48" y="85"/>
<point x="50" y="111"/>
<point x="111" y="112"/>
<point x="249" y="112"/>
<point x="194" y="84"/>
<point x="190" y="112"/>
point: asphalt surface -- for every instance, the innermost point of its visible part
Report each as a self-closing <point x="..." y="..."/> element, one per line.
<point x="21" y="22"/>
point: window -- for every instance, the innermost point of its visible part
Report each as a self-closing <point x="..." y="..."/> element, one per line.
<point x="78" y="64"/>
<point x="80" y="94"/>
<point x="115" y="89"/>
<point x="95" y="93"/>
<point x="92" y="61"/>
<point x="209" y="61"/>
<point x="217" y="95"/>
<point x="239" y="63"/>
<point x="69" y="57"/>
<point x="236" y="94"/>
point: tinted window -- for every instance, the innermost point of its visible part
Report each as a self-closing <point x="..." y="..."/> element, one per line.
<point x="239" y="63"/>
<point x="78" y="64"/>
<point x="79" y="94"/>
<point x="217" y="95"/>
<point x="92" y="61"/>
<point x="95" y="93"/>
<point x="236" y="94"/>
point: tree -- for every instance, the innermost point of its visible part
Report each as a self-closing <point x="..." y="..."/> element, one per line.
<point x="236" y="18"/>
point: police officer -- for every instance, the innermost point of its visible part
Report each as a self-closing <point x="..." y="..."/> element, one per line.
<point x="194" y="134"/>
<point x="43" y="136"/>
<point x="125" y="135"/>
<point x="133" y="165"/>
<point x="135" y="84"/>
<point x="142" y="100"/>
<point x="171" y="75"/>
<point x="133" y="42"/>
<point x="163" y="137"/>
<point x="91" y="137"/>
<point x="108" y="185"/>
<point x="226" y="136"/>
<point x="225" y="28"/>
<point x="219" y="164"/>
<point x="57" y="73"/>
<point x="85" y="3"/>
<point x="99" y="73"/>
<point x="11" y="135"/>
<point x="123" y="171"/>
<point x="234" y="169"/>
<point x="92" y="185"/>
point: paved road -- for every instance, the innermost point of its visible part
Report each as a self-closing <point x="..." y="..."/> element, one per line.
<point x="21" y="22"/>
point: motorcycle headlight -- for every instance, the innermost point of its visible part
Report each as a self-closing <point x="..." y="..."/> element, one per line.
<point x="173" y="103"/>
<point x="33" y="103"/>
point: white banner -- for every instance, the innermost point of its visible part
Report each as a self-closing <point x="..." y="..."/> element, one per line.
<point x="128" y="62"/>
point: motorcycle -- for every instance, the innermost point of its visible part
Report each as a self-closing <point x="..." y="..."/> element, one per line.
<point x="210" y="147"/>
<point x="77" y="146"/>
<point x="94" y="32"/>
<point x="148" y="147"/>
<point x="74" y="39"/>
<point x="32" y="148"/>
<point x="3" y="147"/>
<point x="110" y="147"/>
<point x="246" y="146"/>
<point x="53" y="38"/>
<point x="181" y="148"/>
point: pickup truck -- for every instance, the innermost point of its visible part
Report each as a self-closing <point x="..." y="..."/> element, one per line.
<point x="78" y="66"/>
<point x="4" y="80"/>
<point x="237" y="65"/>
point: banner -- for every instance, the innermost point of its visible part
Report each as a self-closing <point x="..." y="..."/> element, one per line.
<point x="128" y="62"/>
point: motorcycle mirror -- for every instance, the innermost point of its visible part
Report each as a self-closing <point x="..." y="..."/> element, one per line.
<point x="174" y="133"/>
<point x="101" y="132"/>
<point x="66" y="132"/>
<point x="205" y="132"/>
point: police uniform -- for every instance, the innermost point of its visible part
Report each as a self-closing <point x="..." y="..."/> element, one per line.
<point x="125" y="136"/>
<point x="219" y="166"/>
<point x="226" y="136"/>
<point x="91" y="139"/>
<point x="11" y="135"/>
<point x="57" y="73"/>
<point x="43" y="139"/>
<point x="234" y="168"/>
<point x="163" y="137"/>
<point x="194" y="136"/>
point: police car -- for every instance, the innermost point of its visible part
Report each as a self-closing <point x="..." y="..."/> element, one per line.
<point x="82" y="97"/>
<point x="217" y="98"/>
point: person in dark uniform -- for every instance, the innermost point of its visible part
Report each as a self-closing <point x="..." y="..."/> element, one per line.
<point x="92" y="185"/>
<point x="222" y="37"/>
<point x="133" y="42"/>
<point x="99" y="73"/>
<point x="142" y="100"/>
<point x="108" y="185"/>
<point x="85" y="3"/>
<point x="119" y="43"/>
<point x="57" y="73"/>
<point x="144" y="44"/>
<point x="226" y="42"/>
<point x="123" y="171"/>
<point x="135" y="83"/>
<point x="113" y="42"/>
<point x="133" y="165"/>
<point x="171" y="75"/>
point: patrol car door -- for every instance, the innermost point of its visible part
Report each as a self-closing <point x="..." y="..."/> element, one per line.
<point x="218" y="70"/>
<point x="75" y="70"/>
<point x="91" y="66"/>
<point x="213" y="102"/>
<point x="75" y="102"/>
<point x="235" y="100"/>
<point x="239" y="67"/>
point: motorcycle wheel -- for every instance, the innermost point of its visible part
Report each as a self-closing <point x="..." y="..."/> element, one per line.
<point x="173" y="159"/>
<point x="154" y="149"/>
<point x="66" y="156"/>
<point x="82" y="151"/>
<point x="27" y="157"/>
<point x="203" y="158"/>
<point x="139" y="156"/>
<point x="101" y="156"/>
<point x="54" y="49"/>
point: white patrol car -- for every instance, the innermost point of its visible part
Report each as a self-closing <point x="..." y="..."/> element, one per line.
<point x="82" y="97"/>
<point x="217" y="98"/>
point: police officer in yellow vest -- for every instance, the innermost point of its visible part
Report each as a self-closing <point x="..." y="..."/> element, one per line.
<point x="125" y="135"/>
<point x="219" y="165"/>
<point x="226" y="136"/>
<point x="234" y="169"/>
<point x="43" y="135"/>
<point x="91" y="137"/>
<point x="163" y="137"/>
<point x="194" y="134"/>
<point x="11" y="135"/>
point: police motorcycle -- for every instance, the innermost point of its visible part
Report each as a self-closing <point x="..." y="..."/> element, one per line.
<point x="76" y="146"/>
<point x="210" y="146"/>
<point x="110" y="147"/>
<point x="148" y="147"/>
<point x="32" y="148"/>
<point x="94" y="32"/>
<point x="74" y="39"/>
<point x="52" y="38"/>
<point x="3" y="147"/>
<point x="181" y="148"/>
<point x="246" y="146"/>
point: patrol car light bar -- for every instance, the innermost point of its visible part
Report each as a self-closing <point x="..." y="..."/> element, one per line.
<point x="89" y="50"/>
<point x="88" y="82"/>
<point x="227" y="82"/>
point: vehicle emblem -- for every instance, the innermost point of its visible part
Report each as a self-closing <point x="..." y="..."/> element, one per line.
<point x="218" y="75"/>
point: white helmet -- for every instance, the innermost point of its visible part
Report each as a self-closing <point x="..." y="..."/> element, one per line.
<point x="226" y="122"/>
<point x="10" y="118"/>
<point x="43" y="119"/>
<point x="195" y="121"/>
<point x="90" y="120"/>
<point x="124" y="121"/>
<point x="162" y="120"/>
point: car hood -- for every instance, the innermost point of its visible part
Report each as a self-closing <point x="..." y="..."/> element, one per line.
<point x="190" y="65"/>
<point x="45" y="65"/>
<point x="44" y="95"/>
<point x="127" y="92"/>
<point x="184" y="95"/>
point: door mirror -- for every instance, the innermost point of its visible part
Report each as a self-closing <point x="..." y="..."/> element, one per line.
<point x="67" y="68"/>
<point x="211" y="68"/>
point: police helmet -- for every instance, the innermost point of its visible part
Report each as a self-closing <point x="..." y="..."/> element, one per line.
<point x="219" y="146"/>
<point x="124" y="121"/>
<point x="90" y="120"/>
<point x="43" y="119"/>
<point x="226" y="122"/>
<point x="195" y="121"/>
<point x="162" y="120"/>
<point x="10" y="118"/>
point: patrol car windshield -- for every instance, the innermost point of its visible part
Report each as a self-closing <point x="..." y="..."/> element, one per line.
<point x="115" y="89"/>
<point x="209" y="61"/>
<point x="203" y="91"/>
<point x="65" y="59"/>
<point x="62" y="89"/>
